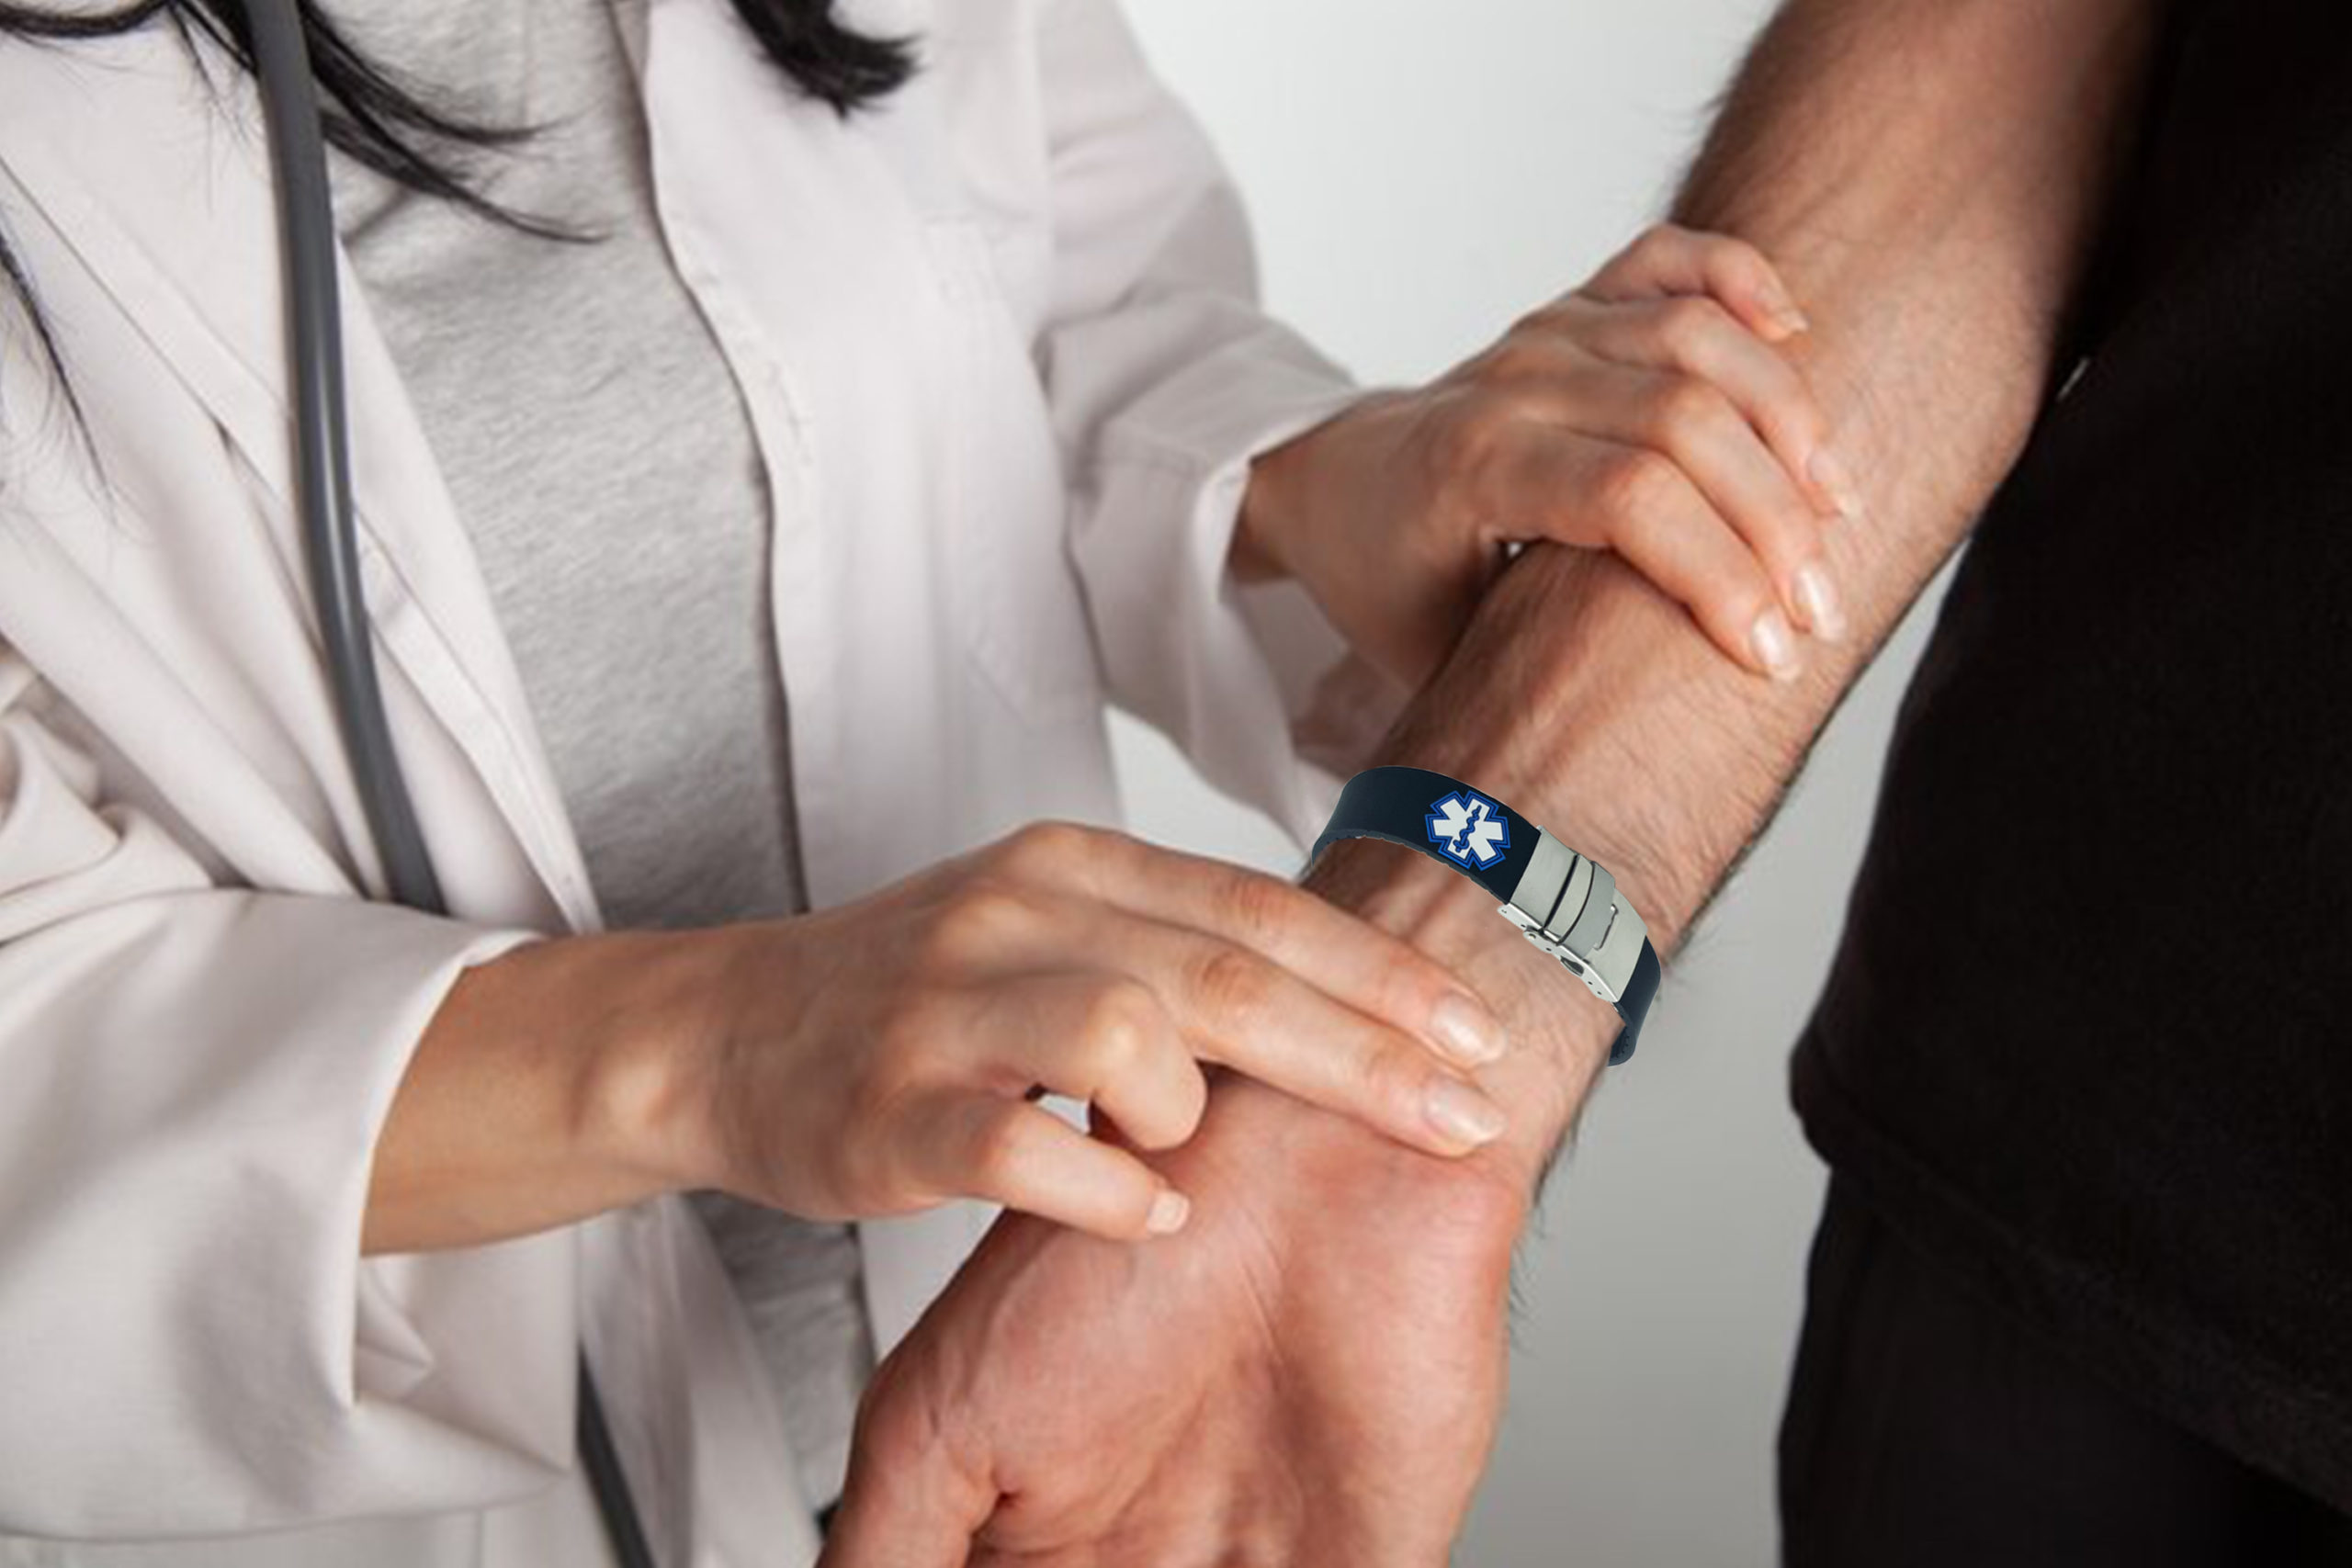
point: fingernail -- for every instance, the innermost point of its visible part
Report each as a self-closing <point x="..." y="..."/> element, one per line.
<point x="1836" y="483"/>
<point x="1169" y="1212"/>
<point x="1817" y="599"/>
<point x="1466" y="1031"/>
<point x="1462" y="1115"/>
<point x="1775" y="642"/>
<point x="1789" y="319"/>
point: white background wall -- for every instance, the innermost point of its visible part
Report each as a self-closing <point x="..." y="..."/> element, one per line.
<point x="1420" y="175"/>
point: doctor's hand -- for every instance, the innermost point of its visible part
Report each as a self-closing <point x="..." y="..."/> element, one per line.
<point x="1654" y="412"/>
<point x="878" y="1058"/>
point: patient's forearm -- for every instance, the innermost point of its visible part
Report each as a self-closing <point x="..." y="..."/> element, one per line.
<point x="1927" y="173"/>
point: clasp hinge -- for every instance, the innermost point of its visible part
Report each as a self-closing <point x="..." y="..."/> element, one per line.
<point x="1567" y="907"/>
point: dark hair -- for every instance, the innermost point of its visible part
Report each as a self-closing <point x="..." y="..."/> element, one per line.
<point x="392" y="124"/>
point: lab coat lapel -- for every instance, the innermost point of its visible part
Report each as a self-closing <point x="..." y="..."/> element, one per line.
<point x="167" y="199"/>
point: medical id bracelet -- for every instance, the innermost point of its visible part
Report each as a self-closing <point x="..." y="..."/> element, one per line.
<point x="1563" y="903"/>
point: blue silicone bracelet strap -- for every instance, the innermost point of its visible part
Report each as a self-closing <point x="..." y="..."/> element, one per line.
<point x="1494" y="846"/>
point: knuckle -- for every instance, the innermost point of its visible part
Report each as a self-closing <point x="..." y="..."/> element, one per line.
<point x="999" y="1146"/>
<point x="1117" y="1030"/>
<point x="1685" y="328"/>
<point x="1656" y="240"/>
<point x="1736" y="256"/>
<point x="1168" y="1116"/>
<point x="1042" y="849"/>
<point x="1545" y="319"/>
<point x="1521" y="357"/>
<point x="1688" y="407"/>
<point x="983" y="915"/>
<point x="1186" y="1113"/>
<point x="1230" y="982"/>
<point x="1635" y="485"/>
<point x="1412" y="982"/>
<point x="1257" y="909"/>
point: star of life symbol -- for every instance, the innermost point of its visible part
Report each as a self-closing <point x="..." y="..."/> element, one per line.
<point x="1469" y="828"/>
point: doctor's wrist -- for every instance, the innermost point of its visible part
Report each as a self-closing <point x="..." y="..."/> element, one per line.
<point x="653" y="1077"/>
<point x="1273" y="535"/>
<point x="556" y="1082"/>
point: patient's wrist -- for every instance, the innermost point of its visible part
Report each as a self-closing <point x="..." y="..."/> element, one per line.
<point x="1540" y="707"/>
<point x="1560" y="1033"/>
<point x="1333" y="1168"/>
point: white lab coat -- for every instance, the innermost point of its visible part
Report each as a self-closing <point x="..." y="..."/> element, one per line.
<point x="1003" y="363"/>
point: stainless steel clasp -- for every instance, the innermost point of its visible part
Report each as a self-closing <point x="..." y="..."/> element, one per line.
<point x="1568" y="906"/>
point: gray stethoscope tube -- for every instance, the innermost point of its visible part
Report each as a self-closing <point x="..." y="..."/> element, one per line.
<point x="308" y="239"/>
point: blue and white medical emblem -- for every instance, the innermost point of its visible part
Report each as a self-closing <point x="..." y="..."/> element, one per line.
<point x="1469" y="828"/>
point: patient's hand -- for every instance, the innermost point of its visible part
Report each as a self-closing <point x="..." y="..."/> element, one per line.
<point x="1309" y="1375"/>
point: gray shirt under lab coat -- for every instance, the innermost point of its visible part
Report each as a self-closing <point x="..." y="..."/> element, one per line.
<point x="600" y="455"/>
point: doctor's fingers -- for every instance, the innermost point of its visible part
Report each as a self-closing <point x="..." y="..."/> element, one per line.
<point x="1237" y="1007"/>
<point x="1101" y="1036"/>
<point x="1702" y="339"/>
<point x="1670" y="259"/>
<point x="1559" y="384"/>
<point x="1344" y="956"/>
<point x="961" y="1144"/>
<point x="1678" y="421"/>
<point x="1647" y="509"/>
